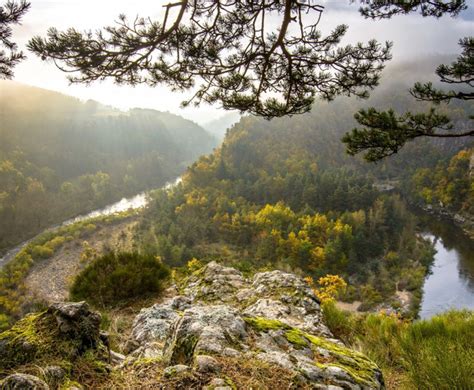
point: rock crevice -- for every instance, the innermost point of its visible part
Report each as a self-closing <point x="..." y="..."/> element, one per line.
<point x="273" y="317"/>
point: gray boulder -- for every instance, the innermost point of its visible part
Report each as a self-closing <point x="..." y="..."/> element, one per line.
<point x="23" y="382"/>
<point x="171" y="371"/>
<point x="76" y="321"/>
<point x="273" y="317"/>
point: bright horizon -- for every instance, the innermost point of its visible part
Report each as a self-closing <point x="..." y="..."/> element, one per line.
<point x="414" y="38"/>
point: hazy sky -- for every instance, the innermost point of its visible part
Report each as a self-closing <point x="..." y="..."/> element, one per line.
<point x="413" y="37"/>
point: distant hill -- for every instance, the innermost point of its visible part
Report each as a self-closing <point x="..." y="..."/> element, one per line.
<point x="60" y="156"/>
<point x="218" y="127"/>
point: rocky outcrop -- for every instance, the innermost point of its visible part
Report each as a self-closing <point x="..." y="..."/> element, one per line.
<point x="64" y="329"/>
<point x="273" y="318"/>
<point x="220" y="331"/>
<point x="51" y="342"/>
<point x="75" y="321"/>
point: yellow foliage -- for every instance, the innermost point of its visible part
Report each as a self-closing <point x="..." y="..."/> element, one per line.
<point x="318" y="256"/>
<point x="277" y="215"/>
<point x="329" y="288"/>
<point x="193" y="199"/>
<point x="174" y="275"/>
<point x="194" y="264"/>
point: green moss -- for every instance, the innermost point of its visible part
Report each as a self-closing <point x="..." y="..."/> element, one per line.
<point x="184" y="350"/>
<point x="296" y="338"/>
<point x="146" y="362"/>
<point x="29" y="339"/>
<point x="25" y="329"/>
<point x="230" y="382"/>
<point x="358" y="366"/>
<point x="93" y="361"/>
<point x="70" y="384"/>
<point x="262" y="324"/>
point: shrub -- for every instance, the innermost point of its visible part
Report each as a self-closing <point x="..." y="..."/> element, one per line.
<point x="55" y="243"/>
<point x="117" y="277"/>
<point x="194" y="264"/>
<point x="341" y="324"/>
<point x="330" y="287"/>
<point x="41" y="252"/>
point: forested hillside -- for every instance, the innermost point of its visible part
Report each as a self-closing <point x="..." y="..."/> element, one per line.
<point x="317" y="231"/>
<point x="449" y="185"/>
<point x="284" y="194"/>
<point x="60" y="156"/>
<point x="219" y="126"/>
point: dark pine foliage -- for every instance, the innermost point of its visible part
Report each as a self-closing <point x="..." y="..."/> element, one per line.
<point x="117" y="277"/>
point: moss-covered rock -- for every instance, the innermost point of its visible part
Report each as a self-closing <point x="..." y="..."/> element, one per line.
<point x="273" y="318"/>
<point x="60" y="333"/>
<point x="23" y="382"/>
<point x="59" y="345"/>
<point x="265" y="324"/>
<point x="326" y="354"/>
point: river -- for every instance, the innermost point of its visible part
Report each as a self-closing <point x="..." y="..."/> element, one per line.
<point x="451" y="281"/>
<point x="135" y="202"/>
<point x="449" y="285"/>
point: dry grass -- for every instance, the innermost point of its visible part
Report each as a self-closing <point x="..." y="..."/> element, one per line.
<point x="240" y="373"/>
<point x="118" y="322"/>
<point x="258" y="375"/>
<point x="396" y="380"/>
<point x="148" y="374"/>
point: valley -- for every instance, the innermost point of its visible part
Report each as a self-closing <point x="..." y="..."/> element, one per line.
<point x="61" y="157"/>
<point x="448" y="285"/>
<point x="275" y="234"/>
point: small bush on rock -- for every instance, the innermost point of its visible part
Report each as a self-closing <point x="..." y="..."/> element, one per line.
<point x="117" y="277"/>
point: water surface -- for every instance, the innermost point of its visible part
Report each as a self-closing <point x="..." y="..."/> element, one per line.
<point x="132" y="203"/>
<point x="451" y="282"/>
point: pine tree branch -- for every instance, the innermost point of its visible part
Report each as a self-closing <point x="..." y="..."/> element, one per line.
<point x="10" y="14"/>
<point x="227" y="54"/>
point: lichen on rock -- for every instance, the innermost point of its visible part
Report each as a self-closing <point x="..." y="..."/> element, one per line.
<point x="273" y="318"/>
<point x="224" y="332"/>
<point x="23" y="382"/>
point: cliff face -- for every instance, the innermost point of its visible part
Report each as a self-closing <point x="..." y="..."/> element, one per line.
<point x="223" y="331"/>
